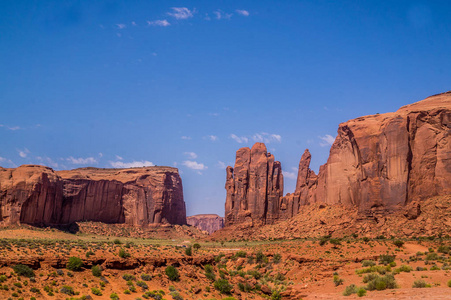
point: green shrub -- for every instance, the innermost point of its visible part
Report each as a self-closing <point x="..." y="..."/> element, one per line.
<point x="349" y="290"/>
<point x="146" y="277"/>
<point x="420" y="284"/>
<point x="366" y="239"/>
<point x="89" y="253"/>
<point x="142" y="284"/>
<point x="368" y="263"/>
<point x="276" y="258"/>
<point x="128" y="277"/>
<point x="241" y="253"/>
<point x="385" y="259"/>
<point x="3" y="278"/>
<point x="276" y="295"/>
<point x="117" y="241"/>
<point x="123" y="253"/>
<point x="223" y="286"/>
<point x="361" y="292"/>
<point x="189" y="251"/>
<point x="337" y="280"/>
<point x="398" y="243"/>
<point x="261" y="258"/>
<point x="23" y="270"/>
<point x="432" y="256"/>
<point x="172" y="273"/>
<point x="35" y="290"/>
<point x="96" y="271"/>
<point x="196" y="246"/>
<point x="68" y="290"/>
<point x="74" y="264"/>
<point x="449" y="283"/>
<point x="114" y="296"/>
<point x="209" y="272"/>
<point x="403" y="268"/>
<point x="381" y="283"/>
<point x="96" y="291"/>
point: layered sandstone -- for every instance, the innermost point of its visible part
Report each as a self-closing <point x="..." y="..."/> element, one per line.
<point x="38" y="195"/>
<point x="206" y="222"/>
<point x="378" y="164"/>
<point x="383" y="162"/>
<point x="254" y="187"/>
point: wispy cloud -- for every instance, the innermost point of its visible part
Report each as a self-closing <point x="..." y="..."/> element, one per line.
<point x="222" y="15"/>
<point x="327" y="140"/>
<point x="289" y="175"/>
<point x="184" y="137"/>
<point x="132" y="164"/>
<point x="81" y="160"/>
<point x="162" y="23"/>
<point x="121" y="26"/>
<point x="212" y="138"/>
<point x="100" y="154"/>
<point x="47" y="161"/>
<point x="221" y="165"/>
<point x="134" y="23"/>
<point x="267" y="138"/>
<point x="7" y="162"/>
<point x="14" y="128"/>
<point x="190" y="155"/>
<point x="23" y="153"/>
<point x="239" y="139"/>
<point x="119" y="157"/>
<point x="242" y="12"/>
<point x="213" y="114"/>
<point x="194" y="165"/>
<point x="181" y="13"/>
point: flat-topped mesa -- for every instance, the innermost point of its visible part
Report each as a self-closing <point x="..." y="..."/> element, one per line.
<point x="384" y="162"/>
<point x="206" y="222"/>
<point x="38" y="195"/>
<point x="254" y="187"/>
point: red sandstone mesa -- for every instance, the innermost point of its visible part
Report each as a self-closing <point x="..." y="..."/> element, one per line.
<point x="206" y="222"/>
<point x="378" y="163"/>
<point x="38" y="195"/>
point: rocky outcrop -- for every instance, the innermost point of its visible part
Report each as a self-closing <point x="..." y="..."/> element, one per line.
<point x="383" y="162"/>
<point x="206" y="222"/>
<point x="378" y="164"/>
<point x="38" y="195"/>
<point x="254" y="187"/>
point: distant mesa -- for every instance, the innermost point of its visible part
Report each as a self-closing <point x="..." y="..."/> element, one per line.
<point x="206" y="222"/>
<point x="378" y="164"/>
<point x="38" y="195"/>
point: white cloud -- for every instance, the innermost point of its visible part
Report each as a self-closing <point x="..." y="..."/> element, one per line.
<point x="290" y="175"/>
<point x="328" y="140"/>
<point x="222" y="15"/>
<point x="191" y="155"/>
<point x="162" y="23"/>
<point x="242" y="12"/>
<point x="2" y="159"/>
<point x="221" y="164"/>
<point x="213" y="114"/>
<point x="185" y="137"/>
<point x="100" y="154"/>
<point x="181" y="13"/>
<point x="133" y="164"/>
<point x="23" y="153"/>
<point x="194" y="165"/>
<point x="121" y="26"/>
<point x="47" y="161"/>
<point x="14" y="128"/>
<point x="119" y="157"/>
<point x="7" y="162"/>
<point x="134" y="23"/>
<point x="239" y="139"/>
<point x="212" y="138"/>
<point x="267" y="138"/>
<point x="81" y="160"/>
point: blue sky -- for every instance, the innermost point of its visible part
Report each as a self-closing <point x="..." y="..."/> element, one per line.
<point x="187" y="83"/>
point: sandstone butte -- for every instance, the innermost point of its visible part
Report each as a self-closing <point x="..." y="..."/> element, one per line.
<point x="378" y="164"/>
<point x="38" y="195"/>
<point x="206" y="222"/>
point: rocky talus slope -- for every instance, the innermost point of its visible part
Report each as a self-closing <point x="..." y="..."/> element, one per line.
<point x="38" y="195"/>
<point x="206" y="222"/>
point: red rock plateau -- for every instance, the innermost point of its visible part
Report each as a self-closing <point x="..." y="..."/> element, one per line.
<point x="206" y="222"/>
<point x="377" y="165"/>
<point x="38" y="195"/>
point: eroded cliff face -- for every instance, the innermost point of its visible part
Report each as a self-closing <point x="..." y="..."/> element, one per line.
<point x="206" y="222"/>
<point x="254" y="187"/>
<point x="384" y="162"/>
<point x="378" y="164"/>
<point x="39" y="195"/>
